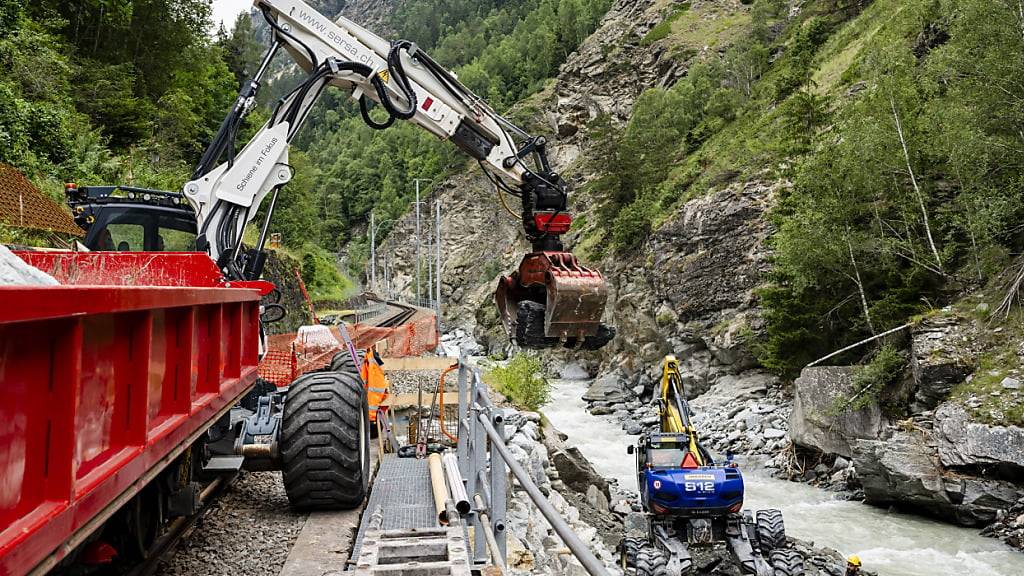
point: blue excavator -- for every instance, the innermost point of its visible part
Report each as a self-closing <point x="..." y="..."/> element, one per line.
<point x="690" y="500"/>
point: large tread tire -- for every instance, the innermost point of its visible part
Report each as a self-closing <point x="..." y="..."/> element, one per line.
<point x="771" y="531"/>
<point x="651" y="561"/>
<point x="787" y="563"/>
<point x="628" y="550"/>
<point x="342" y="362"/>
<point x="325" y="445"/>
<point x="251" y="401"/>
<point x="530" y="330"/>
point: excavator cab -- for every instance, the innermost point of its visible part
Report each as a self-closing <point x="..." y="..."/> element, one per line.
<point x="130" y="219"/>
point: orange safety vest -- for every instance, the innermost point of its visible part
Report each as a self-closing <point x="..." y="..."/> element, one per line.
<point x="376" y="383"/>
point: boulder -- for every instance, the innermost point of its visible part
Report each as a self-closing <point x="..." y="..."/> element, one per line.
<point x="905" y="469"/>
<point x="963" y="442"/>
<point x="942" y="355"/>
<point x="611" y="387"/>
<point x="573" y="468"/>
<point x="817" y="421"/>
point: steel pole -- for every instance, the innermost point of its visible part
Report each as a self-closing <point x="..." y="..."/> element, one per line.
<point x="373" y="255"/>
<point x="437" y="267"/>
<point x="417" y="239"/>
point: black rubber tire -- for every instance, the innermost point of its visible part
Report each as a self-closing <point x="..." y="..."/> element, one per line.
<point x="787" y="563"/>
<point x="628" y="550"/>
<point x="771" y="530"/>
<point x="342" y="362"/>
<point x="252" y="400"/>
<point x="530" y="330"/>
<point x="325" y="441"/>
<point x="651" y="561"/>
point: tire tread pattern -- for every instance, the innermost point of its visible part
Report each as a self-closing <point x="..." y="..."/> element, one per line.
<point x="321" y="431"/>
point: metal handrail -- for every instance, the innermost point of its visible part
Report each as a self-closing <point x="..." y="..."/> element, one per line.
<point x="482" y="426"/>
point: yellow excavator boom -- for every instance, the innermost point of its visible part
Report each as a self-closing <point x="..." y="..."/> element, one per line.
<point x="675" y="417"/>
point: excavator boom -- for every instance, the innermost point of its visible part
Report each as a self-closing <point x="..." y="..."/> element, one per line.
<point x="550" y="300"/>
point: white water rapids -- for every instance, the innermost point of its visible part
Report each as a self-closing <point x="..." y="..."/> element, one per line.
<point x="889" y="543"/>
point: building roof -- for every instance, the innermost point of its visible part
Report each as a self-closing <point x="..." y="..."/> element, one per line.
<point x="22" y="205"/>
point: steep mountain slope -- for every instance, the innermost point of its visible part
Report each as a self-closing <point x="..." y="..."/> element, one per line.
<point x="764" y="183"/>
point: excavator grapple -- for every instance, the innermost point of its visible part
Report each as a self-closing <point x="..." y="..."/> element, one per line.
<point x="552" y="300"/>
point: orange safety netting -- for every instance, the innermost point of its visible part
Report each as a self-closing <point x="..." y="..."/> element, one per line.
<point x="290" y="355"/>
<point x="416" y="337"/>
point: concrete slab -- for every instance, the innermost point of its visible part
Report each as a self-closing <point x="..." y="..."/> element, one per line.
<point x="326" y="540"/>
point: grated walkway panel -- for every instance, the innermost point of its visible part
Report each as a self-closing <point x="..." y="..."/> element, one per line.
<point x="400" y="499"/>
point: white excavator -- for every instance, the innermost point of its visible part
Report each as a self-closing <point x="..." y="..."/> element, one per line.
<point x="551" y="300"/>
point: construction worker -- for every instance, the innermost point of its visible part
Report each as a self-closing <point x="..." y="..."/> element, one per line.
<point x="372" y="372"/>
<point x="853" y="565"/>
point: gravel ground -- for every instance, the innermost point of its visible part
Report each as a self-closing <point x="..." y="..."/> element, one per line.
<point x="248" y="530"/>
<point x="406" y="381"/>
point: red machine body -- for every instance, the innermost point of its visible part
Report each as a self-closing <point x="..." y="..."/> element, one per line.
<point x="106" y="380"/>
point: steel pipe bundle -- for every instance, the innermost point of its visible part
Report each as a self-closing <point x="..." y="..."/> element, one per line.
<point x="437" y="485"/>
<point x="455" y="483"/>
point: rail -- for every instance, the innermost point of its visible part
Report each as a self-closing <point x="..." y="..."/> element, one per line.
<point x="484" y="462"/>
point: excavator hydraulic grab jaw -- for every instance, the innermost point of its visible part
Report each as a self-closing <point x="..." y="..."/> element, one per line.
<point x="551" y="299"/>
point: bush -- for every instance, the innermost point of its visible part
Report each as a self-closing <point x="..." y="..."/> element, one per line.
<point x="521" y="382"/>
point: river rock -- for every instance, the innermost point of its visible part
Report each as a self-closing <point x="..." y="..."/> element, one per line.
<point x="611" y="388"/>
<point x="905" y="469"/>
<point x="962" y="442"/>
<point x="942" y="355"/>
<point x="816" y="421"/>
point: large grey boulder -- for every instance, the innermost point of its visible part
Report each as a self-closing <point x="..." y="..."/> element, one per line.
<point x="819" y="420"/>
<point x="942" y="355"/>
<point x="905" y="469"/>
<point x="612" y="387"/>
<point x="962" y="442"/>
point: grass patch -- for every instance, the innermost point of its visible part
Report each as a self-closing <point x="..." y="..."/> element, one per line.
<point x="663" y="28"/>
<point x="521" y="381"/>
<point x="323" y="279"/>
<point x="697" y="28"/>
<point x="982" y="394"/>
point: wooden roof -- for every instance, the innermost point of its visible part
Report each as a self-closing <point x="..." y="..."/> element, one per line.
<point x="22" y="205"/>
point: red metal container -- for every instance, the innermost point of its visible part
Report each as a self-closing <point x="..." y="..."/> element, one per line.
<point x="104" y="385"/>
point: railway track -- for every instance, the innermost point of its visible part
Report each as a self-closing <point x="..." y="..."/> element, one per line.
<point x="405" y="312"/>
<point x="180" y="527"/>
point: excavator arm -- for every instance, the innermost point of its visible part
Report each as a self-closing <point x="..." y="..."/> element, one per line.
<point x="550" y="300"/>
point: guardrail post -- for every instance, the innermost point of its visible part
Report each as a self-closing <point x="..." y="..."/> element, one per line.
<point x="462" y="449"/>
<point x="499" y="480"/>
<point x="479" y="463"/>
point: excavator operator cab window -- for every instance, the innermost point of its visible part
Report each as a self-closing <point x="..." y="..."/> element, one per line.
<point x="668" y="456"/>
<point x="141" y="228"/>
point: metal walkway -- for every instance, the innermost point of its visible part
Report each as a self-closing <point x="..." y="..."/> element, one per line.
<point x="400" y="498"/>
<point x="399" y="533"/>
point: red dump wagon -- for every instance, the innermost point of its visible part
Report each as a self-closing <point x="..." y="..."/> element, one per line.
<point x="107" y="380"/>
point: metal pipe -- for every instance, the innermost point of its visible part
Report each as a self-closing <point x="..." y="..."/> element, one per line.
<point x="590" y="562"/>
<point x="492" y="544"/>
<point x="438" y="487"/>
<point x="455" y="483"/>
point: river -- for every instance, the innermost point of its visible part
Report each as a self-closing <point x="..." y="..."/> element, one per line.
<point x="889" y="543"/>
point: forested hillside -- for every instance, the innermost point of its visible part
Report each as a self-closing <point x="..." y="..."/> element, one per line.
<point x="100" y="92"/>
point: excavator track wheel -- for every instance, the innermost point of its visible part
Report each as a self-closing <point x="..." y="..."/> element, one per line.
<point x="651" y="561"/>
<point x="771" y="531"/>
<point x="325" y="446"/>
<point x="787" y="563"/>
